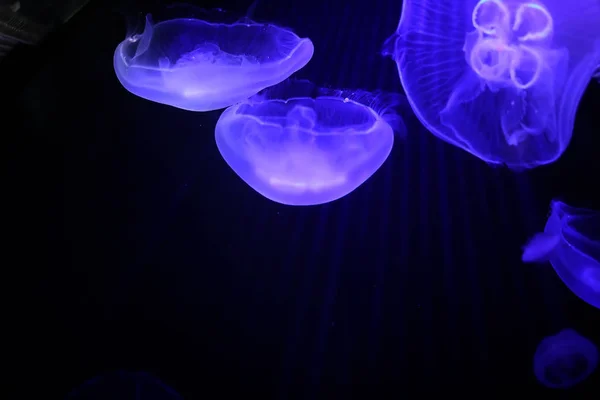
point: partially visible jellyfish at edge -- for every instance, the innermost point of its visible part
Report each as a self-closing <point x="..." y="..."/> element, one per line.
<point x="500" y="79"/>
<point x="123" y="385"/>
<point x="300" y="145"/>
<point x="202" y="66"/>
<point x="564" y="360"/>
<point x="571" y="243"/>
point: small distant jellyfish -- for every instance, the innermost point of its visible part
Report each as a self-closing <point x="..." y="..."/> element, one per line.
<point x="201" y="66"/>
<point x="308" y="150"/>
<point x="501" y="79"/>
<point x="123" y="385"/>
<point x="564" y="360"/>
<point x="571" y="243"/>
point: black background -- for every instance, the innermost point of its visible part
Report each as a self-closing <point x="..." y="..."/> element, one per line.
<point x="131" y="244"/>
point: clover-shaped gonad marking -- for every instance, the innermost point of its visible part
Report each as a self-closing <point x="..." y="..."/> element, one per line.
<point x="525" y="66"/>
<point x="532" y="22"/>
<point x="491" y="17"/>
<point x="504" y="50"/>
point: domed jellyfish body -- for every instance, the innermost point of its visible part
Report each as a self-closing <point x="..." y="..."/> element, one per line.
<point x="501" y="79"/>
<point x="200" y="66"/>
<point x="571" y="243"/>
<point x="304" y="150"/>
<point x="564" y="360"/>
<point x="122" y="385"/>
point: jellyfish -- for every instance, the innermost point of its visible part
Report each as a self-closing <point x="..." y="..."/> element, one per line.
<point x="300" y="148"/>
<point x="564" y="360"/>
<point x="122" y="385"/>
<point x="501" y="79"/>
<point x="571" y="243"/>
<point x="202" y="66"/>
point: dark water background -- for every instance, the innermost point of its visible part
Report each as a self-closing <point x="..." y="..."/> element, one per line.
<point x="131" y="244"/>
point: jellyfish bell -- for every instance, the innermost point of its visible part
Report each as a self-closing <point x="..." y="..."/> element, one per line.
<point x="571" y="243"/>
<point x="564" y="360"/>
<point x="501" y="79"/>
<point x="303" y="150"/>
<point x="201" y="66"/>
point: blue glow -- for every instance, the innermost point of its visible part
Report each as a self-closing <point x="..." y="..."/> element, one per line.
<point x="200" y="66"/>
<point x="123" y="385"/>
<point x="571" y="242"/>
<point x="308" y="150"/>
<point x="564" y="360"/>
<point x="499" y="79"/>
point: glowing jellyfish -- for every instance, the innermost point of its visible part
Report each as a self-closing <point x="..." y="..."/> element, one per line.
<point x="200" y="66"/>
<point x="501" y="79"/>
<point x="123" y="385"/>
<point x="308" y="150"/>
<point x="564" y="360"/>
<point x="571" y="242"/>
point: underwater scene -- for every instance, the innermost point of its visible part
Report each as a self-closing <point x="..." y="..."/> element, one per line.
<point x="334" y="199"/>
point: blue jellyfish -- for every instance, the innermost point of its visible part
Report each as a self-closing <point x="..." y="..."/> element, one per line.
<point x="123" y="385"/>
<point x="564" y="360"/>
<point x="200" y="66"/>
<point x="501" y="79"/>
<point x="308" y="150"/>
<point x="571" y="242"/>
